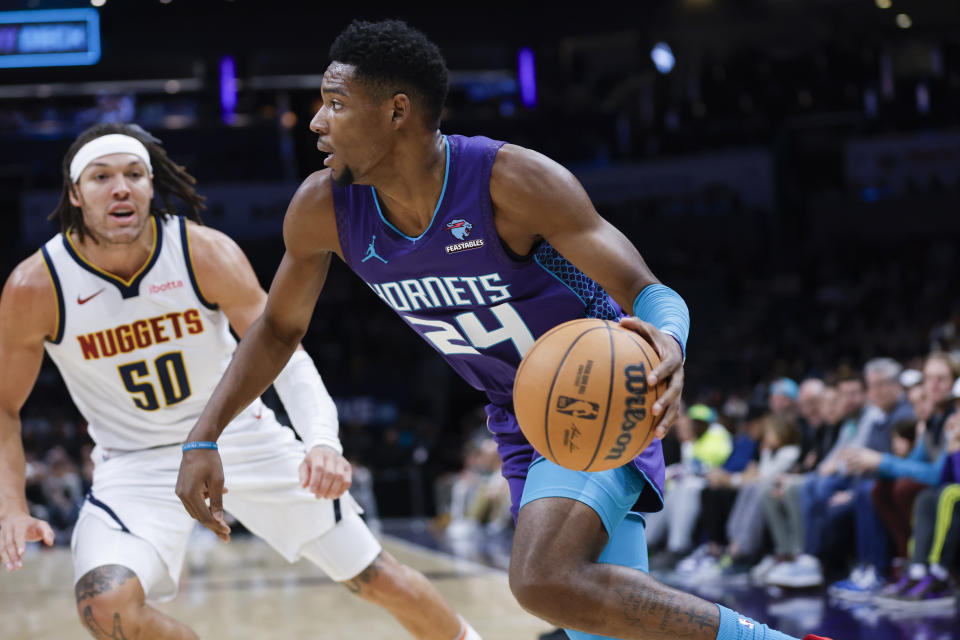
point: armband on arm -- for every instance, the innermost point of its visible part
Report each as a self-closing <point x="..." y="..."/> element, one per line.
<point x="307" y="402"/>
<point x="663" y="307"/>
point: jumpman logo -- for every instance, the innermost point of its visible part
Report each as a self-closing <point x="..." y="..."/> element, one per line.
<point x="371" y="252"/>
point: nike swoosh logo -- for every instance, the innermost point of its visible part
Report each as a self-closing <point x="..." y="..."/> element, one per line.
<point x="89" y="298"/>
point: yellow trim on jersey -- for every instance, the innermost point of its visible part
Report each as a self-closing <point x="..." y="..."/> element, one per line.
<point x="193" y="270"/>
<point x="126" y="283"/>
<point x="56" y="294"/>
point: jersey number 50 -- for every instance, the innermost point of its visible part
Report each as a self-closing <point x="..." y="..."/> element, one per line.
<point x="170" y="372"/>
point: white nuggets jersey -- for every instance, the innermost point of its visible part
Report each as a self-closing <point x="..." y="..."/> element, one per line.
<point x="140" y="357"/>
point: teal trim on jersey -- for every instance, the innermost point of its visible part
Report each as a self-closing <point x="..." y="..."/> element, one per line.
<point x="443" y="191"/>
<point x="61" y="308"/>
<point x="536" y="259"/>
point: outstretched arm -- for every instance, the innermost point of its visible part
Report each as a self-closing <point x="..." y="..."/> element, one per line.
<point x="225" y="277"/>
<point x="534" y="198"/>
<point x="311" y="238"/>
<point x="28" y="314"/>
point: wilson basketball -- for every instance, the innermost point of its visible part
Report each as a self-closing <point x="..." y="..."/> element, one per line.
<point x="581" y="394"/>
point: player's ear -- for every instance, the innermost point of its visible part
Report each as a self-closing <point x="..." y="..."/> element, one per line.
<point x="401" y="109"/>
<point x="75" y="196"/>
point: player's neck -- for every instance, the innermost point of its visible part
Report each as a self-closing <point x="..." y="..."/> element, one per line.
<point x="120" y="259"/>
<point x="409" y="188"/>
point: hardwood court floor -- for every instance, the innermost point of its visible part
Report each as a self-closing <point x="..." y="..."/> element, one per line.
<point x="247" y="591"/>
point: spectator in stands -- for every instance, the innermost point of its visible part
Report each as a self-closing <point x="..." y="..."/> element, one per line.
<point x="788" y="566"/>
<point x="809" y="493"/>
<point x="62" y="491"/>
<point x="479" y="496"/>
<point x="901" y="479"/>
<point x="782" y="398"/>
<point x="926" y="584"/>
<point x="733" y="516"/>
<point x="815" y="438"/>
<point x="705" y="445"/>
<point x="872" y="555"/>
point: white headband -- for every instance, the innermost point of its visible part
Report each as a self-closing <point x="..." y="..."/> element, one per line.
<point x="104" y="146"/>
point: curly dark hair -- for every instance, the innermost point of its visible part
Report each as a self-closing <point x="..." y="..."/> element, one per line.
<point x="392" y="57"/>
<point x="169" y="179"/>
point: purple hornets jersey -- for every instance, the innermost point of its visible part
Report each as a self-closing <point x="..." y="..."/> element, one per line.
<point x="480" y="307"/>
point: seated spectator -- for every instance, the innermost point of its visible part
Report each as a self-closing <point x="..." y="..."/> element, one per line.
<point x="902" y="478"/>
<point x="63" y="491"/>
<point x="782" y="398"/>
<point x="705" y="445"/>
<point x="479" y="495"/>
<point x="872" y="554"/>
<point x="788" y="566"/>
<point x="936" y="539"/>
<point x="800" y="500"/>
<point x="815" y="437"/>
<point x="733" y="517"/>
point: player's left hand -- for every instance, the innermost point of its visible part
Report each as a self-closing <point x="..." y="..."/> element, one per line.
<point x="667" y="406"/>
<point x="325" y="473"/>
<point x="200" y="489"/>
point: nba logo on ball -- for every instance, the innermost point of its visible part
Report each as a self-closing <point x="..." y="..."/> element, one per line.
<point x="579" y="408"/>
<point x="581" y="395"/>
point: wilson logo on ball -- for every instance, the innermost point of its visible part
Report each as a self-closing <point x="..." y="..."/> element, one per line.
<point x="577" y="408"/>
<point x="635" y="381"/>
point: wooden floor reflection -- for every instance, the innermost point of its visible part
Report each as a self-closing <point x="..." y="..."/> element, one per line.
<point x="244" y="590"/>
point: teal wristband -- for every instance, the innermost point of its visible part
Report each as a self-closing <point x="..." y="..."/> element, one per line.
<point x="199" y="444"/>
<point x="663" y="307"/>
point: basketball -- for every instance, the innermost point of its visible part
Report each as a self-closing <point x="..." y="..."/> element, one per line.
<point x="581" y="394"/>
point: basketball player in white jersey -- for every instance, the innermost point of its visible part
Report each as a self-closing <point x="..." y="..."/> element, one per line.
<point x="134" y="305"/>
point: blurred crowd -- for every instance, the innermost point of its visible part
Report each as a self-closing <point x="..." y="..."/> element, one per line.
<point x="850" y="479"/>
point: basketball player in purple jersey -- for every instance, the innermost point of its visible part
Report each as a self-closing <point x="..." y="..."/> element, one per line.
<point x="473" y="243"/>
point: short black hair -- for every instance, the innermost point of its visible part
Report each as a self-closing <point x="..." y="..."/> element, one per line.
<point x="392" y="57"/>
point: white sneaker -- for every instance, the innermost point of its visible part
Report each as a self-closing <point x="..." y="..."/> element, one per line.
<point x="691" y="563"/>
<point x="861" y="586"/>
<point x="759" y="572"/>
<point x="802" y="573"/>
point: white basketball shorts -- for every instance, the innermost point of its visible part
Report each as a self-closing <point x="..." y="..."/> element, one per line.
<point x="133" y="518"/>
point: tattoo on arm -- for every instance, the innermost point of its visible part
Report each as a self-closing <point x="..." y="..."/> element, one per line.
<point x="101" y="580"/>
<point x="366" y="577"/>
<point x="98" y="632"/>
<point x="680" y="615"/>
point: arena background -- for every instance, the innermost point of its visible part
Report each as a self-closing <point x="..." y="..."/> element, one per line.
<point x="791" y="167"/>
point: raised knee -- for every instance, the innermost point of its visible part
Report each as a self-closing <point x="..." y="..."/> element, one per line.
<point x="108" y="604"/>
<point x="540" y="590"/>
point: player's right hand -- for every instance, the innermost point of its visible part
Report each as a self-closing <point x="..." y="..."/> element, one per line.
<point x="16" y="530"/>
<point x="201" y="479"/>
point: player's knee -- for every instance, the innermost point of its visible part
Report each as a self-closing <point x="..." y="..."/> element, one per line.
<point x="540" y="589"/>
<point x="385" y="582"/>
<point x="109" y="603"/>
